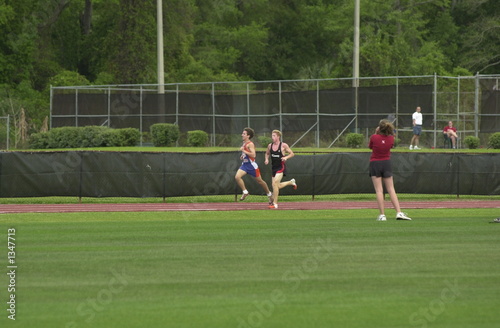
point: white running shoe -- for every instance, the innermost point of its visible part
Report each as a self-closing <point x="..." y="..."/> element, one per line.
<point x="417" y="147"/>
<point x="271" y="199"/>
<point x="411" y="147"/>
<point x="244" y="196"/>
<point x="294" y="184"/>
<point x="381" y="217"/>
<point x="402" y="216"/>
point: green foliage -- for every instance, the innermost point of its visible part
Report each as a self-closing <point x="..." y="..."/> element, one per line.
<point x="132" y="43"/>
<point x="494" y="140"/>
<point x="48" y="42"/>
<point x="65" y="137"/>
<point x="3" y="135"/>
<point x="39" y="140"/>
<point x="68" y="78"/>
<point x="471" y="142"/>
<point x="264" y="140"/>
<point x="164" y="134"/>
<point x="354" y="140"/>
<point x="112" y="138"/>
<point x="85" y="137"/>
<point x="477" y="21"/>
<point x="93" y="136"/>
<point x="197" y="138"/>
<point x="104" y="78"/>
<point x="129" y="137"/>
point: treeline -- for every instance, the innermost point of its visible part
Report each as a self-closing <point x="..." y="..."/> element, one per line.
<point x="78" y="42"/>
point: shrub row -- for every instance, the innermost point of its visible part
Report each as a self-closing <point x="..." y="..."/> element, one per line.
<point x="84" y="137"/>
<point x="166" y="135"/>
<point x="473" y="142"/>
<point x="494" y="140"/>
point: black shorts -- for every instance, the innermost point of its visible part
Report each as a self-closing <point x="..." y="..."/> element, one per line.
<point x="381" y="169"/>
<point x="279" y="170"/>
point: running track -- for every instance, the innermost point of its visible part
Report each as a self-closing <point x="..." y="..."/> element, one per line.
<point x="235" y="206"/>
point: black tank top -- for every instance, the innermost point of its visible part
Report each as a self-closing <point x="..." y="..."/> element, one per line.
<point x="276" y="156"/>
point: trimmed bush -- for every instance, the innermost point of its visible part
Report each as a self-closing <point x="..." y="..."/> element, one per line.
<point x="354" y="140"/>
<point x="164" y="134"/>
<point x="93" y="136"/>
<point x="130" y="137"/>
<point x="264" y="141"/>
<point x="65" y="137"/>
<point x="197" y="138"/>
<point x="494" y="140"/>
<point x="39" y="140"/>
<point x="112" y="138"/>
<point x="127" y="137"/>
<point x="85" y="137"/>
<point x="471" y="142"/>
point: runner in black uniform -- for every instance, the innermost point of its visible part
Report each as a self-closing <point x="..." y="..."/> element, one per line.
<point x="280" y="152"/>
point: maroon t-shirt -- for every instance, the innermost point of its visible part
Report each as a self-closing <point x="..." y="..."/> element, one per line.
<point x="381" y="147"/>
<point x="446" y="128"/>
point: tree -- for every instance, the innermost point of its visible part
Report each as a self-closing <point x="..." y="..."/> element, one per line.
<point x="479" y="22"/>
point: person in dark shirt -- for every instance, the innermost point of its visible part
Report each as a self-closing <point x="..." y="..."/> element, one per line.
<point x="381" y="169"/>
<point x="279" y="152"/>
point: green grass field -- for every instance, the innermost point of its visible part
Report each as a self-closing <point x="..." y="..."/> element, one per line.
<point x="254" y="269"/>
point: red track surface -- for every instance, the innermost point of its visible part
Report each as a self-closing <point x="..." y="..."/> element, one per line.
<point x="240" y="206"/>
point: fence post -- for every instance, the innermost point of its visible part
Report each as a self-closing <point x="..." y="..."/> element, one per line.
<point x="280" y="106"/>
<point x="50" y="106"/>
<point x="248" y="105"/>
<point x="397" y="103"/>
<point x="314" y="175"/>
<point x="109" y="106"/>
<point x="476" y="105"/>
<point x="435" y="110"/>
<point x="8" y="130"/>
<point x="213" y="114"/>
<point x="317" y="114"/>
<point x="140" y="110"/>
<point x="80" y="180"/>
<point x="76" y="107"/>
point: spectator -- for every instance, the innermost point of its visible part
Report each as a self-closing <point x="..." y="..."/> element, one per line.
<point x="417" y="128"/>
<point x="450" y="132"/>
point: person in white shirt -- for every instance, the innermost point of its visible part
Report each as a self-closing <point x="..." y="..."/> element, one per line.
<point x="417" y="128"/>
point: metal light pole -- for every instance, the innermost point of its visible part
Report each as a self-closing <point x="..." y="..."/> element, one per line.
<point x="159" y="20"/>
<point x="355" y="68"/>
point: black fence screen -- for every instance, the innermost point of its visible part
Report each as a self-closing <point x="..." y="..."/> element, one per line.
<point x="138" y="174"/>
<point x="230" y="113"/>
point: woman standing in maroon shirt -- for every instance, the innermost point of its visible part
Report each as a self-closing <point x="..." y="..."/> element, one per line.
<point x="381" y="169"/>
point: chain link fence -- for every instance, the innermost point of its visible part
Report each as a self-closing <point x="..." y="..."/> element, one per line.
<point x="311" y="113"/>
<point x="4" y="132"/>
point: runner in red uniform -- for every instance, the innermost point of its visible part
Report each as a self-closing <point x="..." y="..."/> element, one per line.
<point x="249" y="166"/>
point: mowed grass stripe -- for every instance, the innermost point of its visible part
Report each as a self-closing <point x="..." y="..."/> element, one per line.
<point x="256" y="269"/>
